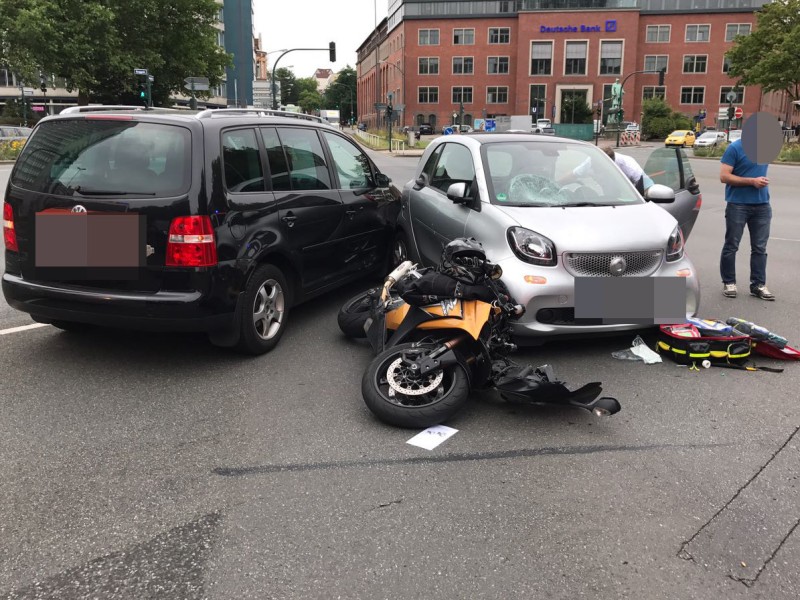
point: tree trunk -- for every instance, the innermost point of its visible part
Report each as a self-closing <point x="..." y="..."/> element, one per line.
<point x="83" y="98"/>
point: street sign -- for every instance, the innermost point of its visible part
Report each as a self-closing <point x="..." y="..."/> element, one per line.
<point x="198" y="84"/>
<point x="490" y="125"/>
<point x="380" y="106"/>
<point x="27" y="91"/>
<point x="738" y="113"/>
<point x="151" y="78"/>
<point x="533" y="110"/>
<point x="140" y="71"/>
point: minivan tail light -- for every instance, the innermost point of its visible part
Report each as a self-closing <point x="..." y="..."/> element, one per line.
<point x="191" y="243"/>
<point x="9" y="233"/>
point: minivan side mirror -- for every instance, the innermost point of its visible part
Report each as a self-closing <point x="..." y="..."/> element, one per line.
<point x="382" y="180"/>
<point x="659" y="194"/>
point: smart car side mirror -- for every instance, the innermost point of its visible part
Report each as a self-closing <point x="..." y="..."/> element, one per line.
<point x="382" y="180"/>
<point x="457" y="192"/>
<point x="659" y="194"/>
<point x="693" y="186"/>
<point x="421" y="182"/>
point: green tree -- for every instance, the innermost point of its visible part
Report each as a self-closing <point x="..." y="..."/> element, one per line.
<point x="289" y="92"/>
<point x="96" y="44"/>
<point x="310" y="101"/>
<point x="341" y="94"/>
<point x="769" y="56"/>
<point x="574" y="109"/>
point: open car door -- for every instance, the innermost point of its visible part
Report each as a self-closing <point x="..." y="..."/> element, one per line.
<point x="671" y="167"/>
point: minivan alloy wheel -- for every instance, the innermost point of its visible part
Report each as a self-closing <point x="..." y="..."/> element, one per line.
<point x="268" y="309"/>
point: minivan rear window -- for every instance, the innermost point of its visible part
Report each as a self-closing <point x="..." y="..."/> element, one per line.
<point x="105" y="157"/>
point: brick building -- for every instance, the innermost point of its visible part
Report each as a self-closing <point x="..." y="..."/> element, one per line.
<point x="498" y="57"/>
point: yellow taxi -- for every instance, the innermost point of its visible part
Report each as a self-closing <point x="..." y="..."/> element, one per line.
<point x="681" y="137"/>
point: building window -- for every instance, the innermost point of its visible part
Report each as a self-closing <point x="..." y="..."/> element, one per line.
<point x="726" y="64"/>
<point x="428" y="66"/>
<point x="428" y="37"/>
<point x="506" y="6"/>
<point x="724" y="91"/>
<point x="655" y="62"/>
<point x="575" y="61"/>
<point x="463" y="65"/>
<point x="698" y="33"/>
<point x="695" y="63"/>
<point x="658" y="34"/>
<point x="734" y="29"/>
<point x="428" y="95"/>
<point x="497" y="65"/>
<point x="537" y="101"/>
<point x="541" y="58"/>
<point x="221" y="39"/>
<point x="654" y="91"/>
<point x="610" y="58"/>
<point x="692" y="95"/>
<point x="462" y="95"/>
<point x="221" y="15"/>
<point x="499" y="35"/>
<point x="497" y="94"/>
<point x="463" y="37"/>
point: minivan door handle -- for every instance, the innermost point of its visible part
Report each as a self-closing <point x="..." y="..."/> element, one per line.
<point x="289" y="219"/>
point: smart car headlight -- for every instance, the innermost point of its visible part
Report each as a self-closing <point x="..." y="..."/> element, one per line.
<point x="675" y="245"/>
<point x="532" y="247"/>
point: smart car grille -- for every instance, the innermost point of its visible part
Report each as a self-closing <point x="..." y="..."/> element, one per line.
<point x="636" y="264"/>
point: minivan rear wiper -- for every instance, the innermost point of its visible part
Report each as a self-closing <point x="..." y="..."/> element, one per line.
<point x="84" y="192"/>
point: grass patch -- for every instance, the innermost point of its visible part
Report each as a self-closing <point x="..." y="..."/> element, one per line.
<point x="790" y="153"/>
<point x="711" y="151"/>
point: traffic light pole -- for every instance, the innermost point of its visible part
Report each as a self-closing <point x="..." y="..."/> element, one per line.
<point x="620" y="113"/>
<point x="331" y="48"/>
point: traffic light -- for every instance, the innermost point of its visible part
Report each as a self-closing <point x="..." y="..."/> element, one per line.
<point x="42" y="83"/>
<point x="332" y="49"/>
<point x="731" y="112"/>
<point x="599" y="111"/>
<point x="389" y="110"/>
<point x="143" y="92"/>
<point x="661" y="74"/>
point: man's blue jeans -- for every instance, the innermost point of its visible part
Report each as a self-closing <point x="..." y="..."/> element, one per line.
<point x="757" y="217"/>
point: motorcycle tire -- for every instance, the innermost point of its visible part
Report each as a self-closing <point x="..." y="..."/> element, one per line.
<point x="354" y="314"/>
<point x="419" y="410"/>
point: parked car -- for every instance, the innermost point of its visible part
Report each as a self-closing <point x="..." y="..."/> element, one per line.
<point x="681" y="137"/>
<point x="165" y="221"/>
<point x="13" y="134"/>
<point x="362" y="126"/>
<point x="734" y="134"/>
<point x="425" y="129"/>
<point x="521" y="197"/>
<point x="544" y="130"/>
<point x="465" y="129"/>
<point x="709" y="139"/>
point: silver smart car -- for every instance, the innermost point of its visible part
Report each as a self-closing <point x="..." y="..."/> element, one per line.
<point x="562" y="221"/>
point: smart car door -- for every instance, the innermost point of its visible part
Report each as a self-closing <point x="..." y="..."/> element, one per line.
<point x="438" y="219"/>
<point x="368" y="222"/>
<point x="309" y="207"/>
<point x="670" y="167"/>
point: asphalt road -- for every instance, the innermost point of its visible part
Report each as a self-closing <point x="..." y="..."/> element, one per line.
<point x="142" y="466"/>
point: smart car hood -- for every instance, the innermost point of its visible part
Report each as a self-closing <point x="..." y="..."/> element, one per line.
<point x="598" y="228"/>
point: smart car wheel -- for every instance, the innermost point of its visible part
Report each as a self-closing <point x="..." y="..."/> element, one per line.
<point x="266" y="309"/>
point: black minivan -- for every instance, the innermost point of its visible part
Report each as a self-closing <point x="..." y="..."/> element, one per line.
<point x="217" y="221"/>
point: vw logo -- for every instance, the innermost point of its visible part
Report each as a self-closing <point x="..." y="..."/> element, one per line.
<point x="78" y="209"/>
<point x="617" y="266"/>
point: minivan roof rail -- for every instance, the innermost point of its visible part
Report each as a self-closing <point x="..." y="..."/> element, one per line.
<point x="262" y="112"/>
<point x="111" y="107"/>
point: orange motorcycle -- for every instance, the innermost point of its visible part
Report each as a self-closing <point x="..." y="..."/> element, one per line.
<point x="439" y="333"/>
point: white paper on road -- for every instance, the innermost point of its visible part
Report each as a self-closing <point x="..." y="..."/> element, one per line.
<point x="432" y="436"/>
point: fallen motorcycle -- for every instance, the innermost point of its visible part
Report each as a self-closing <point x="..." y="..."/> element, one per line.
<point x="438" y="333"/>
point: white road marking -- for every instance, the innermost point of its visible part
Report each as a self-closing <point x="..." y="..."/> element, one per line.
<point x="784" y="239"/>
<point x="22" y="328"/>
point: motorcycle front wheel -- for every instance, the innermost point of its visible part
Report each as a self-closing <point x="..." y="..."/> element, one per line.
<point x="397" y="397"/>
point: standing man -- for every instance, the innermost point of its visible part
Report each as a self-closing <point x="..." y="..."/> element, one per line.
<point x="747" y="198"/>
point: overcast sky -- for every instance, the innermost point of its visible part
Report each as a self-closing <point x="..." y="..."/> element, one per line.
<point x="313" y="24"/>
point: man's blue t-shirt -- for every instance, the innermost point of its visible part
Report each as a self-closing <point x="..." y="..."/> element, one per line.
<point x="744" y="167"/>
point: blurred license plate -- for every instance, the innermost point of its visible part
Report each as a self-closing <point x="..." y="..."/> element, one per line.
<point x="630" y="300"/>
<point x="101" y="241"/>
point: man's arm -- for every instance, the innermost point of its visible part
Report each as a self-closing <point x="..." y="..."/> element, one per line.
<point x="727" y="177"/>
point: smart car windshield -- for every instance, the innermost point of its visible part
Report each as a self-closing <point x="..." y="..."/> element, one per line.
<point x="530" y="173"/>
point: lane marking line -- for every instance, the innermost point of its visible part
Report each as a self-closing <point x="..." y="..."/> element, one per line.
<point x="22" y="328"/>
<point x="784" y="239"/>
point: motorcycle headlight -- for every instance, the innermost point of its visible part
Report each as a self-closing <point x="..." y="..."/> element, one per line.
<point x="532" y="247"/>
<point x="675" y="245"/>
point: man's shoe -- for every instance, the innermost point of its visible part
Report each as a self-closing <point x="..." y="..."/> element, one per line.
<point x="761" y="291"/>
<point x="729" y="290"/>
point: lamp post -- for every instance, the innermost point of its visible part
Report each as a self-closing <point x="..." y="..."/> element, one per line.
<point x="402" y="87"/>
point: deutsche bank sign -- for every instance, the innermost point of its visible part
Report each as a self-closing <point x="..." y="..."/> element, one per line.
<point x="610" y="27"/>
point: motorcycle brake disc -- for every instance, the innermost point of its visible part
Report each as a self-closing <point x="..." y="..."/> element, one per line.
<point x="402" y="384"/>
